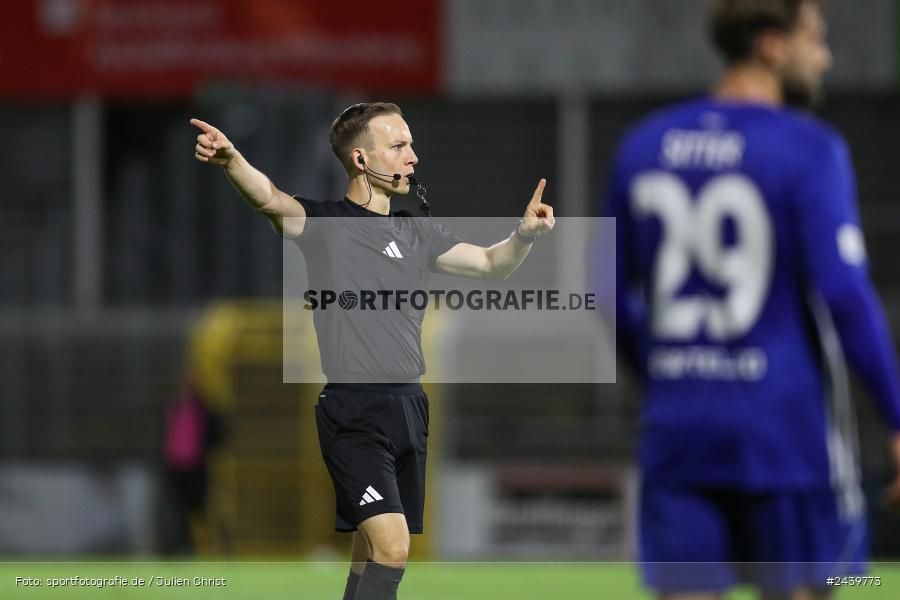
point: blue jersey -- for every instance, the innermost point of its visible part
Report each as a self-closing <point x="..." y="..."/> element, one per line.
<point x="741" y="284"/>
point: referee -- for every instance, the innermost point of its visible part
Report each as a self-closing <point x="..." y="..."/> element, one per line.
<point x="372" y="416"/>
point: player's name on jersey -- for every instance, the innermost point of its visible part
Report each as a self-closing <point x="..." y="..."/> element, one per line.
<point x="707" y="362"/>
<point x="701" y="149"/>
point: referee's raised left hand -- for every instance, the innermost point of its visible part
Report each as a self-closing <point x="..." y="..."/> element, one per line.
<point x="538" y="218"/>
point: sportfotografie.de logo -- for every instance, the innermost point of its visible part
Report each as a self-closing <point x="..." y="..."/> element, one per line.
<point x="496" y="300"/>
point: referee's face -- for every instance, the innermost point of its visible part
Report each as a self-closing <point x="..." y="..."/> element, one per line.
<point x="392" y="152"/>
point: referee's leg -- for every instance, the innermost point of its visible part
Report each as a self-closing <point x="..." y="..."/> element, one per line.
<point x="387" y="537"/>
<point x="359" y="554"/>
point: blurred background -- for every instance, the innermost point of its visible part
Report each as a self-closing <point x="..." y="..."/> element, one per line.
<point x="141" y="404"/>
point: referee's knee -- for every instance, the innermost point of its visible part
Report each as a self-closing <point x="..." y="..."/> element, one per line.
<point x="392" y="553"/>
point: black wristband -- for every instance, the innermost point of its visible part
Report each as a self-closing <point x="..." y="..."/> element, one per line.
<point x="524" y="239"/>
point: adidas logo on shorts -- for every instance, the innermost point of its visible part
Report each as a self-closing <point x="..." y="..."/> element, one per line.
<point x="370" y="496"/>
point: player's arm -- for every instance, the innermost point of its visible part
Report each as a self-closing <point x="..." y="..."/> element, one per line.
<point x="286" y="214"/>
<point x="866" y="341"/>
<point x="836" y="260"/>
<point x="498" y="261"/>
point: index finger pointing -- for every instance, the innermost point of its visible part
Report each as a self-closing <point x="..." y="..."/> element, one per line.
<point x="538" y="192"/>
<point x="203" y="125"/>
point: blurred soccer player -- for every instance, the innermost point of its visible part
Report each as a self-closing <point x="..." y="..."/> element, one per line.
<point x="372" y="417"/>
<point x="741" y="285"/>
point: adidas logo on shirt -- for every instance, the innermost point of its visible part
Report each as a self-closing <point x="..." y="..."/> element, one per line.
<point x="371" y="495"/>
<point x="392" y="250"/>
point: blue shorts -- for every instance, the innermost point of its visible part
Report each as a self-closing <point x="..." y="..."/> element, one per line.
<point x="704" y="539"/>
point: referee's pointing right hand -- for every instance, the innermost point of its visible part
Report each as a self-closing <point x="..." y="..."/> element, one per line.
<point x="538" y="218"/>
<point x="212" y="145"/>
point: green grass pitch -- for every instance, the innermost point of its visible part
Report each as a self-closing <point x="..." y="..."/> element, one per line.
<point x="272" y="580"/>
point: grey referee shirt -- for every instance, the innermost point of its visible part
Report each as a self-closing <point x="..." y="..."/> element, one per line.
<point x="353" y="251"/>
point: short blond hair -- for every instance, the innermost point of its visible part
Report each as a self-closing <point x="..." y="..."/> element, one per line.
<point x="351" y="128"/>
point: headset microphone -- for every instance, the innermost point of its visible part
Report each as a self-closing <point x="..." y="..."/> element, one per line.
<point x="420" y="189"/>
<point x="395" y="176"/>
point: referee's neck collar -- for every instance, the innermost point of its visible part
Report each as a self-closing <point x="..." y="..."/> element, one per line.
<point x="362" y="210"/>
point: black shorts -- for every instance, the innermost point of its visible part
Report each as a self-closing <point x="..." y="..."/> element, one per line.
<point x="373" y="440"/>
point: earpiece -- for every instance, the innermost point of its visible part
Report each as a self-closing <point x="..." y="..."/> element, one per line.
<point x="420" y="189"/>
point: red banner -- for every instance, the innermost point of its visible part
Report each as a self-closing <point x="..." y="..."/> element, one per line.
<point x="165" y="48"/>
